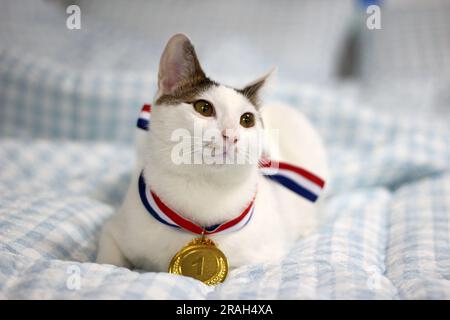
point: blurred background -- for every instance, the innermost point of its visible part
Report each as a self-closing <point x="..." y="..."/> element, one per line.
<point x="77" y="84"/>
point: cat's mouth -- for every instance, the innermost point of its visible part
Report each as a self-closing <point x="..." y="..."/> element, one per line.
<point x="224" y="153"/>
<point x="212" y="155"/>
<point x="226" y="156"/>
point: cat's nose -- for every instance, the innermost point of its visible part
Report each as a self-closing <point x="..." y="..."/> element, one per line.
<point x="229" y="136"/>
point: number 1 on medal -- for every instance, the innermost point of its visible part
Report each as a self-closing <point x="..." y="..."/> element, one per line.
<point x="199" y="263"/>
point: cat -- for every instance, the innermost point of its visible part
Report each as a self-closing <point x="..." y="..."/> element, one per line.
<point x="209" y="194"/>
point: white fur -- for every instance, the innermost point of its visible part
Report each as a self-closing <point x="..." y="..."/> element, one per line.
<point x="210" y="194"/>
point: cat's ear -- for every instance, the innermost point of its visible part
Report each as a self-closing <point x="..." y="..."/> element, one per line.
<point x="253" y="89"/>
<point x="178" y="66"/>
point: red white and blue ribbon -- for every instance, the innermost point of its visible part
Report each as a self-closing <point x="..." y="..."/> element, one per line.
<point x="144" y="117"/>
<point x="161" y="212"/>
<point x="297" y="179"/>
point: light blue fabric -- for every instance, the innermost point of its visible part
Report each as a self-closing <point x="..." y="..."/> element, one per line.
<point x="386" y="217"/>
<point x="41" y="99"/>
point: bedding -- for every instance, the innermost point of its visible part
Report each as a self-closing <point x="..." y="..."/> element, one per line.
<point x="386" y="216"/>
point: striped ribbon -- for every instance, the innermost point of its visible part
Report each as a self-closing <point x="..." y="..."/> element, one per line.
<point x="297" y="179"/>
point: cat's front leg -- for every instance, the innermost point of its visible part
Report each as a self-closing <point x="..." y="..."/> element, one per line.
<point x="109" y="252"/>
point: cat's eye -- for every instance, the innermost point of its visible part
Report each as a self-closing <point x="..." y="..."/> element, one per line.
<point x="247" y="120"/>
<point x="204" y="108"/>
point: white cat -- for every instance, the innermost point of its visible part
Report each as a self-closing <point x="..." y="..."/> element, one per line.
<point x="209" y="194"/>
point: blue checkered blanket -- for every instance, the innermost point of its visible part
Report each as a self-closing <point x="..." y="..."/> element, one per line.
<point x="385" y="235"/>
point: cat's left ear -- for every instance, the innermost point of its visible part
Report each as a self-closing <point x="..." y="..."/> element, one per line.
<point x="253" y="89"/>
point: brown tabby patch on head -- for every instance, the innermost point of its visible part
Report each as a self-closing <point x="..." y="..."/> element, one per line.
<point x="193" y="83"/>
<point x="188" y="91"/>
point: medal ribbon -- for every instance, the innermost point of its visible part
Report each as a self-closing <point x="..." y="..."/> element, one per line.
<point x="297" y="179"/>
<point x="161" y="212"/>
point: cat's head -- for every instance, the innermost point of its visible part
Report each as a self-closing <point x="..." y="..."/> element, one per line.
<point x="223" y="123"/>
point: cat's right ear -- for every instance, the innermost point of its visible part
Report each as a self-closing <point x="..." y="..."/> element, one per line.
<point x="179" y="66"/>
<point x="252" y="90"/>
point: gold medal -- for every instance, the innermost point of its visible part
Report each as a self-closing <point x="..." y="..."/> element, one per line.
<point x="201" y="260"/>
